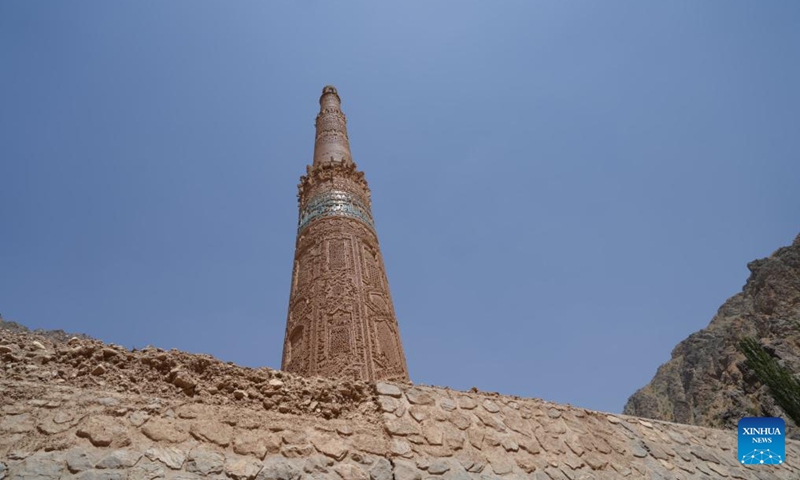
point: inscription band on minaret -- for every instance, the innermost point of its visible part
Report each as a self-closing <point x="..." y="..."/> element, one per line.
<point x="341" y="320"/>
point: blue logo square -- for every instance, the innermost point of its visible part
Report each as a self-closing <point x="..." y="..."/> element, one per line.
<point x="762" y="441"/>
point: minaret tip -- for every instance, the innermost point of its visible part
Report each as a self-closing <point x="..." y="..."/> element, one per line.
<point x="331" y="145"/>
<point x="329" y="90"/>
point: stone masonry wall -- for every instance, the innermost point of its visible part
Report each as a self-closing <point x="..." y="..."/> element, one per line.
<point x="57" y="431"/>
<point x="235" y="423"/>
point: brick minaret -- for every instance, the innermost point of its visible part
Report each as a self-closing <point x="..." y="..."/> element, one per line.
<point x="341" y="319"/>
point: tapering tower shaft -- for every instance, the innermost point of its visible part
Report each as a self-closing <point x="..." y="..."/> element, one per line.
<point x="331" y="144"/>
<point x="341" y="320"/>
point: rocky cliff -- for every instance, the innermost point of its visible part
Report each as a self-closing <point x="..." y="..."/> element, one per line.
<point x="705" y="383"/>
<point x="78" y="408"/>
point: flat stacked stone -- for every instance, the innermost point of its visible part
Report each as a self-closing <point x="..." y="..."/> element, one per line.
<point x="404" y="433"/>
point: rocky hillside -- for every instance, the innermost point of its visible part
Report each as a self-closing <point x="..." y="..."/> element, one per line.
<point x="53" y="335"/>
<point x="705" y="383"/>
<point x="79" y="408"/>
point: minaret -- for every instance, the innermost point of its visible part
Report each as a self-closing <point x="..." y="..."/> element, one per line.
<point x="341" y="319"/>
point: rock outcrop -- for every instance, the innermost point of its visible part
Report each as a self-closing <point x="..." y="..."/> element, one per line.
<point x="706" y="383"/>
<point x="88" y="410"/>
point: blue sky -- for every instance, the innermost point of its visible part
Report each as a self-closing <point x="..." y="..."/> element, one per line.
<point x="562" y="190"/>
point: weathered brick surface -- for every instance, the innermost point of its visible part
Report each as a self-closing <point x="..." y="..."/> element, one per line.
<point x="340" y="302"/>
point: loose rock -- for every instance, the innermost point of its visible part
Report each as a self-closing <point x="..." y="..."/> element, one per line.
<point x="381" y="470"/>
<point x="205" y="462"/>
<point x="278" y="469"/>
<point x="388" y="389"/>
<point x="169" y="456"/>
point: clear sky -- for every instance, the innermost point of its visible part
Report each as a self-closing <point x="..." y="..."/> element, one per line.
<point x="562" y="190"/>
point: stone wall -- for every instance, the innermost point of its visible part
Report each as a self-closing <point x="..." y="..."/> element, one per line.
<point x="80" y="408"/>
<point x="423" y="432"/>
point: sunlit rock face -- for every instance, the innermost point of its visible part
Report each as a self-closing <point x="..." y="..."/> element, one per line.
<point x="705" y="383"/>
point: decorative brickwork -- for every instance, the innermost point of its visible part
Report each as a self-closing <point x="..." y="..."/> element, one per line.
<point x="341" y="320"/>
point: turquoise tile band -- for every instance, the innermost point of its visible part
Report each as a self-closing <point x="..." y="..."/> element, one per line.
<point x="335" y="203"/>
